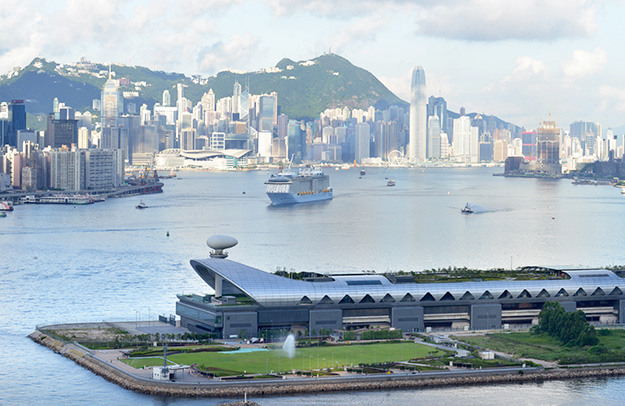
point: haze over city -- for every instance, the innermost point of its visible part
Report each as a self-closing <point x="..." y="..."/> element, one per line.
<point x="518" y="61"/>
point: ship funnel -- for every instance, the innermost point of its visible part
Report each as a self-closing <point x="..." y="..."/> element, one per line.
<point x="219" y="243"/>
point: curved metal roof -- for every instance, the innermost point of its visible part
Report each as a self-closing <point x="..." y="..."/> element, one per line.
<point x="272" y="290"/>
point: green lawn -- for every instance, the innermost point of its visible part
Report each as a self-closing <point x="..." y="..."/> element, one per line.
<point x="146" y="362"/>
<point x="542" y="346"/>
<point x="305" y="358"/>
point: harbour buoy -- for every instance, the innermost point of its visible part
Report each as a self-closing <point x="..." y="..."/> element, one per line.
<point x="168" y="234"/>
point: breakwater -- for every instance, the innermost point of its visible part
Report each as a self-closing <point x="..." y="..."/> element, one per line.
<point x="285" y="387"/>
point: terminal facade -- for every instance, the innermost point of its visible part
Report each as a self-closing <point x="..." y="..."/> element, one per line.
<point x="248" y="301"/>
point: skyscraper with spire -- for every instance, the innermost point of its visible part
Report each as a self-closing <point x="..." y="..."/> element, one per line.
<point x="236" y="101"/>
<point x="418" y="117"/>
<point x="111" y="102"/>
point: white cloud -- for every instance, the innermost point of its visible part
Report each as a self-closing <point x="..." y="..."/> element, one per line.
<point x="363" y="30"/>
<point x="492" y="20"/>
<point x="585" y="63"/>
<point x="612" y="99"/>
<point x="233" y="53"/>
<point x="329" y="8"/>
<point x="527" y="69"/>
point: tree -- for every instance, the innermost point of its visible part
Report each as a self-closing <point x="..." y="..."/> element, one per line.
<point x="572" y="329"/>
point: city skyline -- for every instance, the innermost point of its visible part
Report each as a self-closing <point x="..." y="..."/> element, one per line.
<point x="518" y="62"/>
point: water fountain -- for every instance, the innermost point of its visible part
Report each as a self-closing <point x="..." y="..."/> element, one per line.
<point x="289" y="346"/>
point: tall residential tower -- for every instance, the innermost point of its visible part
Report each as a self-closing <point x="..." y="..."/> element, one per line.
<point x="418" y="116"/>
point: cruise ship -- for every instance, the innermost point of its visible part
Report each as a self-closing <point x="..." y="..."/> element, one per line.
<point x="309" y="185"/>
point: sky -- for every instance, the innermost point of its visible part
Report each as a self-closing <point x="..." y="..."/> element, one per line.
<point x="520" y="60"/>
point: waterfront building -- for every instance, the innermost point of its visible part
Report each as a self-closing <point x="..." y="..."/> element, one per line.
<point x="548" y="148"/>
<point x="465" y="140"/>
<point x="247" y="301"/>
<point x="104" y="168"/>
<point x="86" y="169"/>
<point x="264" y="145"/>
<point x="418" y="117"/>
<point x="67" y="170"/>
<point x="444" y="146"/>
<point x="500" y="150"/>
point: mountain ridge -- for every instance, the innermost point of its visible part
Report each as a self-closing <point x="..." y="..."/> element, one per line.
<point x="305" y="88"/>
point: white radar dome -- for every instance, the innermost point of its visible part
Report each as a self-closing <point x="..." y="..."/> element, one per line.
<point x="219" y="243"/>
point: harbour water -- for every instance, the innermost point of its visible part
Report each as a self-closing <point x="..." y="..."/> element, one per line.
<point x="110" y="261"/>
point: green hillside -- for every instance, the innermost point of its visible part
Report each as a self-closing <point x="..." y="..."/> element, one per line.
<point x="304" y="88"/>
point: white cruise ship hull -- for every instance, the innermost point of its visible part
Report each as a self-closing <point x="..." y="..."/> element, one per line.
<point x="278" y="199"/>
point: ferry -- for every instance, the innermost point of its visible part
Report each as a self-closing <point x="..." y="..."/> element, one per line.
<point x="6" y="206"/>
<point x="57" y="199"/>
<point x="308" y="185"/>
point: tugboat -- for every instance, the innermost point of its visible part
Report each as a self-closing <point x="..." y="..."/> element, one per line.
<point x="141" y="205"/>
<point x="467" y="209"/>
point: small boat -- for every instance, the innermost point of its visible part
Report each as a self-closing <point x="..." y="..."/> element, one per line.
<point x="6" y="206"/>
<point x="467" y="209"/>
<point x="3" y="214"/>
<point x="390" y="183"/>
<point x="141" y="205"/>
<point x="623" y="191"/>
<point x="362" y="172"/>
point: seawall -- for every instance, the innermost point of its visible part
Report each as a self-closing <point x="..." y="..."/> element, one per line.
<point x="285" y="387"/>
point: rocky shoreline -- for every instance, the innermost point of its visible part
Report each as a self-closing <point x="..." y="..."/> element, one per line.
<point x="225" y="390"/>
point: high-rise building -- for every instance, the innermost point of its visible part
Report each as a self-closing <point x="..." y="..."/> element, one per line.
<point x="236" y="101"/>
<point x="362" y="142"/>
<point x="266" y="113"/>
<point x="111" y="102"/>
<point x="17" y="120"/>
<point x="166" y="98"/>
<point x="208" y="101"/>
<point x="437" y="106"/>
<point x="465" y="140"/>
<point x="434" y="137"/>
<point x="61" y="131"/>
<point x="548" y="148"/>
<point x="418" y="116"/>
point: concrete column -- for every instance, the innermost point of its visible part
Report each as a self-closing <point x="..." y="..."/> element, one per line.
<point x="218" y="285"/>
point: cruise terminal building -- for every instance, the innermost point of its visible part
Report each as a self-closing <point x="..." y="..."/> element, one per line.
<point x="248" y="300"/>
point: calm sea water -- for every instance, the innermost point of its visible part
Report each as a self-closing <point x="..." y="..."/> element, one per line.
<point x="109" y="261"/>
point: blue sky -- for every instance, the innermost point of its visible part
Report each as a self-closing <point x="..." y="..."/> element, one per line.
<point x="519" y="60"/>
